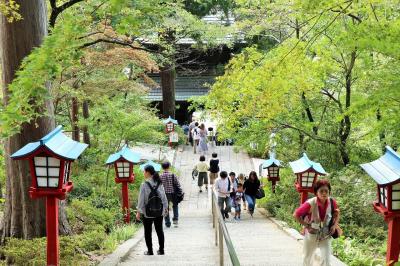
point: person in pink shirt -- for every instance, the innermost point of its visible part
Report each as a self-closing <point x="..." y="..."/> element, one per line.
<point x="316" y="216"/>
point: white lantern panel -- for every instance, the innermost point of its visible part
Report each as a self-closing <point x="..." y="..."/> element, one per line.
<point x="53" y="182"/>
<point x="396" y="187"/>
<point x="395" y="205"/>
<point x="304" y="184"/>
<point x="382" y="195"/>
<point x="396" y="195"/>
<point x="66" y="171"/>
<point x="41" y="171"/>
<point x="53" y="162"/>
<point x="126" y="165"/>
<point x="120" y="170"/>
<point x="54" y="172"/>
<point x="42" y="182"/>
<point x="40" y="161"/>
<point x="120" y="164"/>
<point x="126" y="174"/>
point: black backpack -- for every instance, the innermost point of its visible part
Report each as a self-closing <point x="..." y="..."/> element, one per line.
<point x="154" y="206"/>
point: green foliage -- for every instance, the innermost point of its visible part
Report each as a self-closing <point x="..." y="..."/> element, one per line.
<point x="74" y="250"/>
<point x="9" y="9"/>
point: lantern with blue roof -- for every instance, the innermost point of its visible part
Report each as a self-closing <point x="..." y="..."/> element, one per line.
<point x="386" y="173"/>
<point x="50" y="161"/>
<point x="170" y="124"/>
<point x="306" y="172"/>
<point x="272" y="165"/>
<point x="123" y="162"/>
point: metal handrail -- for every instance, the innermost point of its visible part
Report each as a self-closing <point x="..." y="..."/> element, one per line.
<point x="222" y="232"/>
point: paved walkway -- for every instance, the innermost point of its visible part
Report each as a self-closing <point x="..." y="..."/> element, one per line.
<point x="258" y="241"/>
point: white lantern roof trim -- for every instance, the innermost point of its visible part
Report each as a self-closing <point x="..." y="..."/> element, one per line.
<point x="55" y="142"/>
<point x="304" y="164"/>
<point x="386" y="169"/>
<point x="125" y="153"/>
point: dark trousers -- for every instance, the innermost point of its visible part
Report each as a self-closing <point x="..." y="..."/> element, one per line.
<point x="148" y="224"/>
<point x="172" y="199"/>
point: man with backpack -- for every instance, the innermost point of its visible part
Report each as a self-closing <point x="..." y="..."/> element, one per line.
<point x="174" y="192"/>
<point x="152" y="205"/>
<point x="223" y="188"/>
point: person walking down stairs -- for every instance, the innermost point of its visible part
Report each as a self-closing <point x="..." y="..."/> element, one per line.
<point x="202" y="168"/>
<point x="172" y="189"/>
<point x="152" y="206"/>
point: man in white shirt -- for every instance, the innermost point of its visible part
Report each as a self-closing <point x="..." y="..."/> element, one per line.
<point x="196" y="136"/>
<point x="223" y="188"/>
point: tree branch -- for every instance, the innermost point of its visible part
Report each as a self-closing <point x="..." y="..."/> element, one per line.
<point x="311" y="135"/>
<point x="116" y="42"/>
<point x="330" y="95"/>
<point x="55" y="11"/>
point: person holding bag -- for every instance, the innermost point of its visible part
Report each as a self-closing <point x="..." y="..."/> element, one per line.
<point x="174" y="192"/>
<point x="251" y="187"/>
<point x="320" y="218"/>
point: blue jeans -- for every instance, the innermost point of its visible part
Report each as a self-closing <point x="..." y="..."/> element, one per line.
<point x="251" y="202"/>
<point x="171" y="198"/>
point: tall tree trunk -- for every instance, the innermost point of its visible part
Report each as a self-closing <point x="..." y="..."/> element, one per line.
<point x="167" y="74"/>
<point x="345" y="123"/>
<point x="85" y="114"/>
<point x="23" y="217"/>
<point x="75" y="119"/>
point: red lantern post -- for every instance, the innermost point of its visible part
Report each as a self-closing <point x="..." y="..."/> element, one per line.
<point x="386" y="173"/>
<point x="306" y="172"/>
<point x="50" y="166"/>
<point x="124" y="175"/>
<point x="123" y="162"/>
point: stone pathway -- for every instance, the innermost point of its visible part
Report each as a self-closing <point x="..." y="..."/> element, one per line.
<point x="257" y="241"/>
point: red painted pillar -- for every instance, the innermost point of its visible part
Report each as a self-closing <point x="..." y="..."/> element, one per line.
<point x="125" y="202"/>
<point x="53" y="246"/>
<point x="393" y="243"/>
<point x="304" y="197"/>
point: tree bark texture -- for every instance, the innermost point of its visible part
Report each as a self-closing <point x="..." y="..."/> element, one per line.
<point x="23" y="217"/>
<point x="75" y="119"/>
<point x="167" y="74"/>
<point x="85" y="114"/>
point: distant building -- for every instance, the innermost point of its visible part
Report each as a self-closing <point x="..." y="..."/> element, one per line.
<point x="196" y="77"/>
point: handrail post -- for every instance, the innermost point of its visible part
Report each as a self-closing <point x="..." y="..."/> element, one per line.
<point x="221" y="247"/>
<point x="213" y="209"/>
